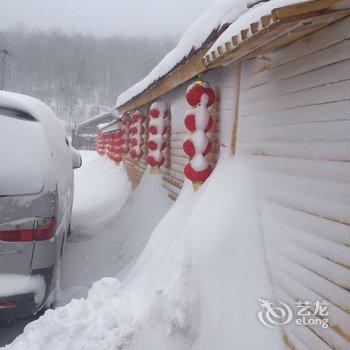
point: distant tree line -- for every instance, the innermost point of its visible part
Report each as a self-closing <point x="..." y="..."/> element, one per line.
<point x="78" y="75"/>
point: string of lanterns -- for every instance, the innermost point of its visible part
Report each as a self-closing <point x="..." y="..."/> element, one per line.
<point x="137" y="130"/>
<point x="198" y="120"/>
<point x="157" y="129"/>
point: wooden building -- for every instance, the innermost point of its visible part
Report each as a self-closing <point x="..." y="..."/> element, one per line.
<point x="281" y="72"/>
<point x="84" y="136"/>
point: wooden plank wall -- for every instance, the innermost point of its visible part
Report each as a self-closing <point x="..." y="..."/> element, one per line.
<point x="135" y="170"/>
<point x="294" y="123"/>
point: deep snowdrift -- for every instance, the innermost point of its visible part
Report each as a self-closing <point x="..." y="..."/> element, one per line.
<point x="195" y="285"/>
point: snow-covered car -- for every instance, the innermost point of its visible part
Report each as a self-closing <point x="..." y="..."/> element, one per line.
<point x="36" y="196"/>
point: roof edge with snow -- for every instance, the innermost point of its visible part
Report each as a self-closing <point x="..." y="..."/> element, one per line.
<point x="235" y="32"/>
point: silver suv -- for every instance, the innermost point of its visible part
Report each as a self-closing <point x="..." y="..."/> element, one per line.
<point x="36" y="196"/>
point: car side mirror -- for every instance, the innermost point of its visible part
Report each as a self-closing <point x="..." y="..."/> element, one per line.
<point x="76" y="158"/>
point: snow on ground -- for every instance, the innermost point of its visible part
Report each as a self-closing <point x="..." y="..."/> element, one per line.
<point x="105" y="241"/>
<point x="101" y="188"/>
<point x="195" y="285"/>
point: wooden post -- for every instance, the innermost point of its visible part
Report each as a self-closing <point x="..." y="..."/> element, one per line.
<point x="236" y="109"/>
<point x="4" y="53"/>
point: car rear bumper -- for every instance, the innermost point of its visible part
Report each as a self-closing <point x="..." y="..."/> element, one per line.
<point x="27" y="303"/>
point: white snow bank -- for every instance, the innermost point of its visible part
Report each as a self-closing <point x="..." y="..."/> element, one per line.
<point x="11" y="285"/>
<point x="110" y="245"/>
<point x="136" y="221"/>
<point x="194" y="287"/>
<point x="101" y="188"/>
<point x="224" y="11"/>
<point x="245" y="19"/>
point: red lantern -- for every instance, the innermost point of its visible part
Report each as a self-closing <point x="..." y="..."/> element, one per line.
<point x="154" y="112"/>
<point x="136" y="153"/>
<point x="191" y="121"/>
<point x="200" y="92"/>
<point x="155" y="163"/>
<point x="126" y="120"/>
<point x="197" y="176"/>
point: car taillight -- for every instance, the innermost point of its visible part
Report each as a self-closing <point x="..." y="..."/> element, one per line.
<point x="28" y="230"/>
<point x="18" y="231"/>
<point x="7" y="304"/>
<point x="45" y="228"/>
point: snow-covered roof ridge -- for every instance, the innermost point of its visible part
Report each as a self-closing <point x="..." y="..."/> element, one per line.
<point x="221" y="13"/>
<point x="105" y="125"/>
<point x="100" y="115"/>
<point x="245" y="19"/>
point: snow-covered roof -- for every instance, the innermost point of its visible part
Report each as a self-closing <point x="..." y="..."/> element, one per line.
<point x="101" y="116"/>
<point x="250" y="16"/>
<point x="226" y="19"/>
<point x="222" y="13"/>
<point x="268" y="17"/>
<point x="105" y="125"/>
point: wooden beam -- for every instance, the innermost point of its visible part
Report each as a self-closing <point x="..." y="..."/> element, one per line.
<point x="244" y="34"/>
<point x="172" y="182"/>
<point x="236" y="108"/>
<point x="220" y="50"/>
<point x="172" y="196"/>
<point x="300" y="32"/>
<point x="279" y="33"/>
<point x="266" y="20"/>
<point x="254" y="27"/>
<point x="235" y="40"/>
<point x="302" y="8"/>
<point x="251" y="44"/>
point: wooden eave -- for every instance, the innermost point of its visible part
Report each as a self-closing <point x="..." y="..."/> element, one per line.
<point x="272" y="31"/>
<point x="276" y="29"/>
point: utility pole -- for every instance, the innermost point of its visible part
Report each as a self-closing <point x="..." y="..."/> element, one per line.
<point x="4" y="53"/>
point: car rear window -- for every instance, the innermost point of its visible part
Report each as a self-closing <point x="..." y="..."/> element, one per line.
<point x="23" y="153"/>
<point x="15" y="113"/>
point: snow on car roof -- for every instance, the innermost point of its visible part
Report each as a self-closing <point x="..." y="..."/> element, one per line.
<point x="39" y="110"/>
<point x="54" y="129"/>
<point x="223" y="12"/>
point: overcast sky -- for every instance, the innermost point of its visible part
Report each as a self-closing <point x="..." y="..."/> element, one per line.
<point x="105" y="17"/>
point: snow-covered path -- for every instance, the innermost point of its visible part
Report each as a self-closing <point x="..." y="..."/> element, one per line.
<point x="106" y="239"/>
<point x="101" y="189"/>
